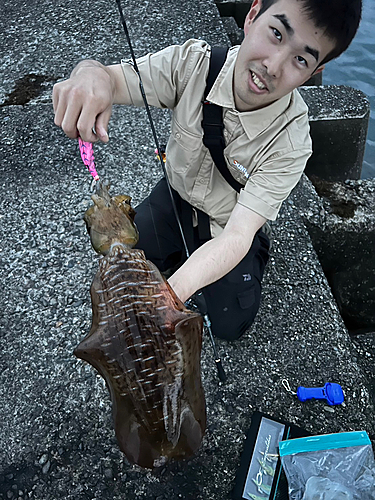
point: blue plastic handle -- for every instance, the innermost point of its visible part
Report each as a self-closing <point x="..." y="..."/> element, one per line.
<point x="331" y="392"/>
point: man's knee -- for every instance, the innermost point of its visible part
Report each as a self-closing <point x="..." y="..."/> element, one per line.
<point x="233" y="314"/>
<point x="233" y="328"/>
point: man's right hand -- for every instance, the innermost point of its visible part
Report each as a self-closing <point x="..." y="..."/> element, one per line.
<point x="83" y="103"/>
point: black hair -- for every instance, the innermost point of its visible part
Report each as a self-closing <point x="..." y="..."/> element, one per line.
<point x="339" y="20"/>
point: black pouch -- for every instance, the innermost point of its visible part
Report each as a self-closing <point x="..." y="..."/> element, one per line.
<point x="260" y="475"/>
<point x="246" y="298"/>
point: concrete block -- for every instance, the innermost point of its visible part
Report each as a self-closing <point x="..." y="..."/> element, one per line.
<point x="234" y="33"/>
<point x="339" y="117"/>
<point x="314" y="80"/>
<point x="234" y="8"/>
<point x="343" y="235"/>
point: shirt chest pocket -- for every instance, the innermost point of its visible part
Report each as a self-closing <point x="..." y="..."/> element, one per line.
<point x="238" y="155"/>
<point x="184" y="149"/>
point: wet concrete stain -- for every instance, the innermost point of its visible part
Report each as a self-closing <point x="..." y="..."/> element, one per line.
<point x="27" y="88"/>
<point x="340" y="205"/>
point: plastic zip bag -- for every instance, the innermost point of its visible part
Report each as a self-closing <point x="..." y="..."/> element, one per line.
<point x="329" y="467"/>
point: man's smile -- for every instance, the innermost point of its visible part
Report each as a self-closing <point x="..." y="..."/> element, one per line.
<point x="257" y="84"/>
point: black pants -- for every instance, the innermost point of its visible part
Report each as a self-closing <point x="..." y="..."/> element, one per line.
<point x="232" y="301"/>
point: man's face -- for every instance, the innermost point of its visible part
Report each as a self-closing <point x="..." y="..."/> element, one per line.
<point x="280" y="51"/>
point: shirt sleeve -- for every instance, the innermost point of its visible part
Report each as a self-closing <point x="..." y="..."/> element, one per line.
<point x="273" y="181"/>
<point x="165" y="74"/>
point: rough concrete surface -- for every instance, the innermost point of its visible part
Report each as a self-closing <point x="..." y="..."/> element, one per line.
<point x="56" y="435"/>
<point x="344" y="239"/>
<point x="338" y="115"/>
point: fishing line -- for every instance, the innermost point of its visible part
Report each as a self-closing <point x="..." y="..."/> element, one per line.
<point x="201" y="302"/>
<point x="147" y="107"/>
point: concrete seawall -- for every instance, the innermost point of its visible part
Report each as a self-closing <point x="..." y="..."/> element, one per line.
<point x="56" y="434"/>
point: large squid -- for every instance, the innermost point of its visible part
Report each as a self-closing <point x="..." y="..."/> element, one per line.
<point x="143" y="341"/>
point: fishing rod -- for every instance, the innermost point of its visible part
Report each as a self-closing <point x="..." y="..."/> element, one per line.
<point x="198" y="296"/>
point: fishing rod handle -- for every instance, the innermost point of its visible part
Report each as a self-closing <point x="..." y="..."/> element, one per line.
<point x="201" y="303"/>
<point x="220" y="370"/>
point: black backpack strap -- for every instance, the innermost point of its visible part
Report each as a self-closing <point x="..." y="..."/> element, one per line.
<point x="212" y="123"/>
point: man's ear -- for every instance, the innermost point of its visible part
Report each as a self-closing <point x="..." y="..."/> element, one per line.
<point x="251" y="15"/>
<point x="319" y="69"/>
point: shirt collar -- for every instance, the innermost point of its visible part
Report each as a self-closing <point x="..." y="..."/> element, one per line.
<point x="221" y="93"/>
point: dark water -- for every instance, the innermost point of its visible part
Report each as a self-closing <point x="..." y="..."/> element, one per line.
<point x="356" y="67"/>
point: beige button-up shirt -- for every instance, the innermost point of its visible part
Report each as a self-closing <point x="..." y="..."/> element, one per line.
<point x="266" y="149"/>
